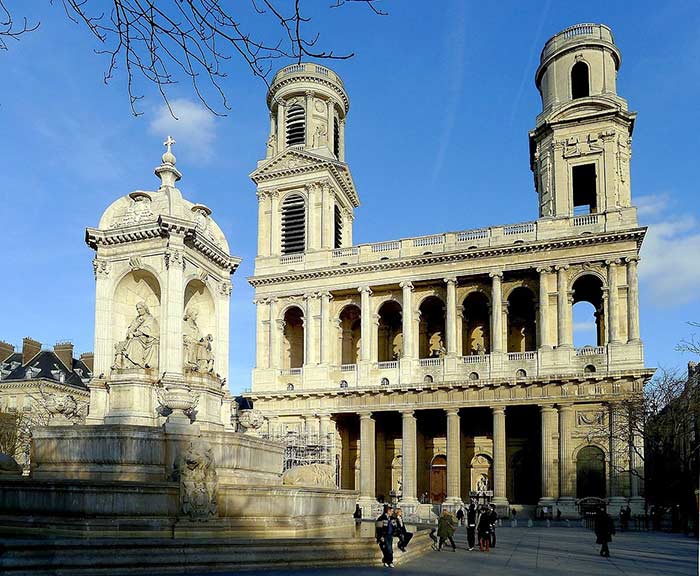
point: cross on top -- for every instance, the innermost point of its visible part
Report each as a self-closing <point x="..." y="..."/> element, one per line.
<point x="169" y="141"/>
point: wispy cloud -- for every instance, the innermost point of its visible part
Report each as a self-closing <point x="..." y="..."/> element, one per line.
<point x="194" y="127"/>
<point x="584" y="326"/>
<point x="669" y="264"/>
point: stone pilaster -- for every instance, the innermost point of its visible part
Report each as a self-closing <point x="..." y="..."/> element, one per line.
<point x="451" y="319"/>
<point x="499" y="455"/>
<point x="311" y="330"/>
<point x="309" y="115"/>
<point x="407" y="292"/>
<point x="453" y="459"/>
<point x="409" y="459"/>
<point x="566" y="465"/>
<point x="549" y="471"/>
<point x="543" y="321"/>
<point x="275" y="224"/>
<point x="496" y="312"/>
<point x="326" y="328"/>
<point x="367" y="463"/>
<point x="613" y="308"/>
<point x="264" y="223"/>
<point x="281" y="133"/>
<point x="366" y="322"/>
<point x="262" y="327"/>
<point x="632" y="300"/>
<point x="564" y="329"/>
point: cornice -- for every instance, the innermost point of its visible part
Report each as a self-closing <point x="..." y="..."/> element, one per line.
<point x="308" y="77"/>
<point x="446" y="257"/>
<point x="36" y="383"/>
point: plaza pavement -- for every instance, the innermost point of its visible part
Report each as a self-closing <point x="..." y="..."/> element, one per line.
<point x="551" y="551"/>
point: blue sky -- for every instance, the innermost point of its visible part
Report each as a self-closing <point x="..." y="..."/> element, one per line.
<point x="442" y="97"/>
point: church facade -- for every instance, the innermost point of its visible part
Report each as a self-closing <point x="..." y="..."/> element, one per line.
<point x="442" y="365"/>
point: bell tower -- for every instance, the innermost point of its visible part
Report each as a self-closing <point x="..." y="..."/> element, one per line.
<point x="305" y="190"/>
<point x="581" y="146"/>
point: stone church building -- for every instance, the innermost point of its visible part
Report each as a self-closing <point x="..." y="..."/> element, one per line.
<point x="442" y="365"/>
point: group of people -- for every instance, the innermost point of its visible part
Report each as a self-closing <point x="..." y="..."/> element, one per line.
<point x="387" y="526"/>
<point x="481" y="522"/>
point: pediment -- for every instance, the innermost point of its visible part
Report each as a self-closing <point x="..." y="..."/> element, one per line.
<point x="577" y="110"/>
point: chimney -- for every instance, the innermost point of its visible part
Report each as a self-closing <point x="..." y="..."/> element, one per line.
<point x="6" y="350"/>
<point x="88" y="358"/>
<point x="64" y="351"/>
<point x="30" y="348"/>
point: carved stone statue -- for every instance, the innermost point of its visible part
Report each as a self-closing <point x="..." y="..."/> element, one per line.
<point x="198" y="482"/>
<point x="436" y="347"/>
<point x="62" y="409"/>
<point x="483" y="484"/>
<point x="198" y="350"/>
<point x="140" y="348"/>
<point x="271" y="146"/>
<point x="322" y="475"/>
<point x="319" y="135"/>
<point x="250" y="420"/>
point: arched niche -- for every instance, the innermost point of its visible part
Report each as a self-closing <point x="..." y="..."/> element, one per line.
<point x="199" y="317"/>
<point x="293" y="341"/>
<point x="390" y="331"/>
<point x="476" y="332"/>
<point x="521" y="320"/>
<point x="590" y="472"/>
<point x="135" y="287"/>
<point x="431" y="328"/>
<point x="481" y="473"/>
<point x="350" y="334"/>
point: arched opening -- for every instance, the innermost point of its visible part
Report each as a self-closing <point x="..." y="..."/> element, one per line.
<point x="390" y="332"/>
<point x="337" y="227"/>
<point x="290" y="387"/>
<point x="432" y="328"/>
<point x="296" y="125"/>
<point x="336" y="138"/>
<point x="473" y="375"/>
<point x="293" y="224"/>
<point x="476" y="336"/>
<point x="293" y="348"/>
<point x="588" y="311"/>
<point x="350" y="335"/>
<point x="590" y="472"/>
<point x="481" y="473"/>
<point x="438" y="479"/>
<point x="524" y="488"/>
<point x="580" y="86"/>
<point x="199" y="328"/>
<point x="428" y="379"/>
<point x="521" y="320"/>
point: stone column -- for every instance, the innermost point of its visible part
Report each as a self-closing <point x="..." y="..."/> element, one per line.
<point x="262" y="326"/>
<point x="276" y="348"/>
<point x="309" y="115"/>
<point x="451" y="320"/>
<point x="365" y="322"/>
<point x="263" y="222"/>
<point x="273" y="335"/>
<point x="324" y="424"/>
<point x="566" y="465"/>
<point x="104" y="337"/>
<point x="281" y="113"/>
<point x="632" y="300"/>
<point x="342" y="140"/>
<point x="275" y="224"/>
<point x="311" y="336"/>
<point x="613" y="310"/>
<point x="326" y="344"/>
<point x="171" y="351"/>
<point x="453" y="452"/>
<point x="407" y="329"/>
<point x="499" y="455"/>
<point x="543" y="323"/>
<point x="409" y="457"/>
<point x="496" y="312"/>
<point x="564" y="330"/>
<point x="367" y="462"/>
<point x="549" y="472"/>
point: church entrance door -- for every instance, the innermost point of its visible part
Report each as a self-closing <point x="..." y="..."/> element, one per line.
<point x="438" y="479"/>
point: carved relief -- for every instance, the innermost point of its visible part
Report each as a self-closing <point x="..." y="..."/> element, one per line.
<point x="101" y="267"/>
<point x="139" y="211"/>
<point x="135" y="263"/>
<point x="590" y="418"/>
<point x="225" y="288"/>
<point x="251" y="420"/>
<point x="198" y="482"/>
<point x="174" y="257"/>
<point x="319" y="136"/>
<point x="321" y="475"/>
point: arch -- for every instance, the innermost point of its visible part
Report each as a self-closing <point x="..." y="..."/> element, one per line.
<point x="590" y="471"/>
<point x="293" y="338"/>
<point x="481" y="467"/>
<point x="520" y="373"/>
<point x="476" y="325"/>
<point x="199" y="326"/>
<point x="134" y="287"/>
<point x="350" y="334"/>
<point x="473" y="375"/>
<point x="384" y="382"/>
<point x="580" y="82"/>
<point x="390" y="331"/>
<point x="293" y="221"/>
<point x="589" y="369"/>
<point x="521" y="320"/>
<point x="431" y="328"/>
<point x="296" y="125"/>
<point x="438" y="479"/>
<point x="588" y="311"/>
<point x="343" y="383"/>
<point x="290" y="387"/>
<point x="428" y="379"/>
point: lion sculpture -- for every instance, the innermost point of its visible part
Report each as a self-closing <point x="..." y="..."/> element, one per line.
<point x="198" y="482"/>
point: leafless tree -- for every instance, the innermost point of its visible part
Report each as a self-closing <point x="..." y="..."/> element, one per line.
<point x="164" y="41"/>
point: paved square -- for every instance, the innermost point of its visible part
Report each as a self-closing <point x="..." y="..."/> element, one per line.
<point x="551" y="551"/>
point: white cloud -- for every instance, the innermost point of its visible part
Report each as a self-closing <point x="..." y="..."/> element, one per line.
<point x="670" y="261"/>
<point x="584" y="326"/>
<point x="193" y="127"/>
<point x="652" y="204"/>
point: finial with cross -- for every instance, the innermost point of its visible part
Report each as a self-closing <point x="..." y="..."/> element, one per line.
<point x="168" y="143"/>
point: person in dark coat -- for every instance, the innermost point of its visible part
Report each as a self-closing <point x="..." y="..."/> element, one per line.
<point x="493" y="518"/>
<point x="483" y="529"/>
<point x="460" y="516"/>
<point x="404" y="535"/>
<point x="604" y="529"/>
<point x="385" y="529"/>
<point x="446" y="529"/>
<point x="471" y="525"/>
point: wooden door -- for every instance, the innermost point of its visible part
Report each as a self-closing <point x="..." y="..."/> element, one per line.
<point x="438" y="480"/>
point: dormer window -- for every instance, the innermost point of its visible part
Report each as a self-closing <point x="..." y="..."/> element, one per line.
<point x="296" y="125"/>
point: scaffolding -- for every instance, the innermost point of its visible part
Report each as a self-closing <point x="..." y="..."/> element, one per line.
<point x="302" y="449"/>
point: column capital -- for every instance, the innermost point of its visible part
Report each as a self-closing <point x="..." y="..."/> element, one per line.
<point x="631" y="260"/>
<point x="281" y="324"/>
<point x="311" y="296"/>
<point x="612" y="262"/>
<point x="544" y="270"/>
<point x="547" y="408"/>
<point x="565" y="407"/>
<point x="408" y="413"/>
<point x="406" y="285"/>
<point x="498" y="409"/>
<point x="365" y="289"/>
<point x="450" y="280"/>
<point x="326" y="295"/>
<point x="365" y="415"/>
<point x="452" y="411"/>
<point x="561" y="267"/>
<point x="496" y="274"/>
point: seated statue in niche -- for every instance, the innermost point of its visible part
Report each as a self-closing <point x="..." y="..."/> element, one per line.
<point x="140" y="348"/>
<point x="483" y="484"/>
<point x="198" y="349"/>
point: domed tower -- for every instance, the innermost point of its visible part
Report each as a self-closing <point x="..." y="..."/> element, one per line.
<point x="580" y="148"/>
<point x="305" y="190"/>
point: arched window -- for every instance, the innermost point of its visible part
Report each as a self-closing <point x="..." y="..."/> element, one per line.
<point x="390" y="332"/>
<point x="337" y="227"/>
<point x="521" y="320"/>
<point x="350" y="333"/>
<point x="475" y="325"/>
<point x="590" y="472"/>
<point x="296" y="125"/>
<point x="432" y="328"/>
<point x="293" y="338"/>
<point x="293" y="224"/>
<point x="336" y="138"/>
<point x="580" y="87"/>
<point x="588" y="313"/>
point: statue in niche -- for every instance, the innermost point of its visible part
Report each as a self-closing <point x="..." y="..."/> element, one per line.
<point x="397" y="347"/>
<point x="483" y="483"/>
<point x="140" y="348"/>
<point x="436" y="348"/>
<point x="198" y="350"/>
<point x="271" y="146"/>
<point x="319" y="136"/>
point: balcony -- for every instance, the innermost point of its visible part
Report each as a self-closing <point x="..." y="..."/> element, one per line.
<point x="391" y="365"/>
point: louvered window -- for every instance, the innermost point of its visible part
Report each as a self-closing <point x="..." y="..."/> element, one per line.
<point x="338" y="238"/>
<point x="293" y="224"/>
<point x="296" y="125"/>
<point x="336" y="138"/>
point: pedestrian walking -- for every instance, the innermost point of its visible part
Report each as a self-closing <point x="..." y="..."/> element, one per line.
<point x="384" y="529"/>
<point x="604" y="529"/>
<point x="471" y="525"/>
<point x="446" y="530"/>
<point x="404" y="536"/>
<point x="483" y="529"/>
<point x="460" y="516"/>
<point x="493" y="518"/>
